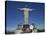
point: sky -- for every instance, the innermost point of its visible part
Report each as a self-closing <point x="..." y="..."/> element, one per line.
<point x="15" y="16"/>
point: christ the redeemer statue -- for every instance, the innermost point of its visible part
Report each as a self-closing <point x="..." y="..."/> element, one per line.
<point x="26" y="15"/>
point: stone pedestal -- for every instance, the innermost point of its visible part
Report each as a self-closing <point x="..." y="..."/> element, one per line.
<point x="26" y="28"/>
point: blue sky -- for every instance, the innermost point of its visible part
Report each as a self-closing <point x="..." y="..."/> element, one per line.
<point x="15" y="16"/>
